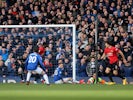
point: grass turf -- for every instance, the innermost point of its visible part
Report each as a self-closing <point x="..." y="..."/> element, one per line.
<point x="65" y="92"/>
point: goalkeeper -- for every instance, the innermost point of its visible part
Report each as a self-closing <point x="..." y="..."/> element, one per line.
<point x="92" y="80"/>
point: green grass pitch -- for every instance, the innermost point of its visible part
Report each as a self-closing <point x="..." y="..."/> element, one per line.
<point x="65" y="92"/>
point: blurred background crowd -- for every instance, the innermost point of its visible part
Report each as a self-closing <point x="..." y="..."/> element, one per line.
<point x="114" y="17"/>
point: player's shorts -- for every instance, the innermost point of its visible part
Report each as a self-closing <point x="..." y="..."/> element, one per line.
<point x="114" y="66"/>
<point x="37" y="71"/>
<point x="61" y="82"/>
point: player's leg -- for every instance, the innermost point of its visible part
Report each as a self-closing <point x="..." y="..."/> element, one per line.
<point x="103" y="82"/>
<point x="28" y="77"/>
<point x="79" y="82"/>
<point x="67" y="80"/>
<point x="117" y="72"/>
<point x="124" y="81"/>
<point x="108" y="71"/>
<point x="45" y="77"/>
<point x="59" y="82"/>
<point x="40" y="71"/>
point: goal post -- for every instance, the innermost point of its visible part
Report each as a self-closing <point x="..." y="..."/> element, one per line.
<point x="54" y="26"/>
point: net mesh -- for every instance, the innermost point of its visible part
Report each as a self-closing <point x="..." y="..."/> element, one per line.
<point x="55" y="46"/>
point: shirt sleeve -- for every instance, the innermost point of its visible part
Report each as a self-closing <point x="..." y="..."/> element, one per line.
<point x="99" y="79"/>
<point x="116" y="49"/>
<point x="105" y="51"/>
<point x="40" y="62"/>
<point x="60" y="74"/>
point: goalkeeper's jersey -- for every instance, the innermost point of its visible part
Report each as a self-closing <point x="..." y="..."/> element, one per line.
<point x="93" y="81"/>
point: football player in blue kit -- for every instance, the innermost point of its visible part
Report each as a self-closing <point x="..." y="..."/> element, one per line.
<point x="31" y="65"/>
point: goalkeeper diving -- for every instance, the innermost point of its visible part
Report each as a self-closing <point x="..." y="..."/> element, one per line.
<point x="93" y="80"/>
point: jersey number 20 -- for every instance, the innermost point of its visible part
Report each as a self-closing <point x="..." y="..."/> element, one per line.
<point x="32" y="59"/>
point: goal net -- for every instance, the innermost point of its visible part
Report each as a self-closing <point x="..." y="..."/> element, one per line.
<point x="59" y="42"/>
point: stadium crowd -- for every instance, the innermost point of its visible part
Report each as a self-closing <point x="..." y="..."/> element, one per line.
<point x="115" y="21"/>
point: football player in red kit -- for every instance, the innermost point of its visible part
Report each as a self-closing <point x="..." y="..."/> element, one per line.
<point x="112" y="67"/>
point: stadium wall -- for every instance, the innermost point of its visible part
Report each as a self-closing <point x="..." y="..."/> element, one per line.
<point x="16" y="79"/>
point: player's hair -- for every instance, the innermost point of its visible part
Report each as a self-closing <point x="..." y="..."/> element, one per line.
<point x="35" y="49"/>
<point x="110" y="41"/>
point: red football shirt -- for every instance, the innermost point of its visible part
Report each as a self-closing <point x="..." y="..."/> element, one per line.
<point x="111" y="53"/>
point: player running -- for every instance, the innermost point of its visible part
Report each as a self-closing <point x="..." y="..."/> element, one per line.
<point x="112" y="68"/>
<point x="31" y="66"/>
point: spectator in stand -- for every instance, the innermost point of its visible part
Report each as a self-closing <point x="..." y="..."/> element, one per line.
<point x="114" y="20"/>
<point x="82" y="68"/>
<point x="91" y="67"/>
<point x="48" y="66"/>
<point x="41" y="49"/>
<point x="128" y="68"/>
<point x="4" y="53"/>
<point x="10" y="64"/>
<point x="68" y="67"/>
<point x="3" y="68"/>
<point x="21" y="69"/>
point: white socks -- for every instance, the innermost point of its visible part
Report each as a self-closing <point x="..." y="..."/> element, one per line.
<point x="28" y="76"/>
<point x="46" y="78"/>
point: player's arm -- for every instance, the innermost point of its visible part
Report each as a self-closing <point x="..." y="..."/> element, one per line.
<point x="40" y="62"/>
<point x="61" y="78"/>
<point x="103" y="56"/>
<point x="90" y="81"/>
<point x="122" y="55"/>
<point x="60" y="75"/>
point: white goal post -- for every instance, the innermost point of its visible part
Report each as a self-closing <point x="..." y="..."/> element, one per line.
<point x="54" y="26"/>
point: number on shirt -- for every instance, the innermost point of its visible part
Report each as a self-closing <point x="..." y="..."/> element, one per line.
<point x="32" y="59"/>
